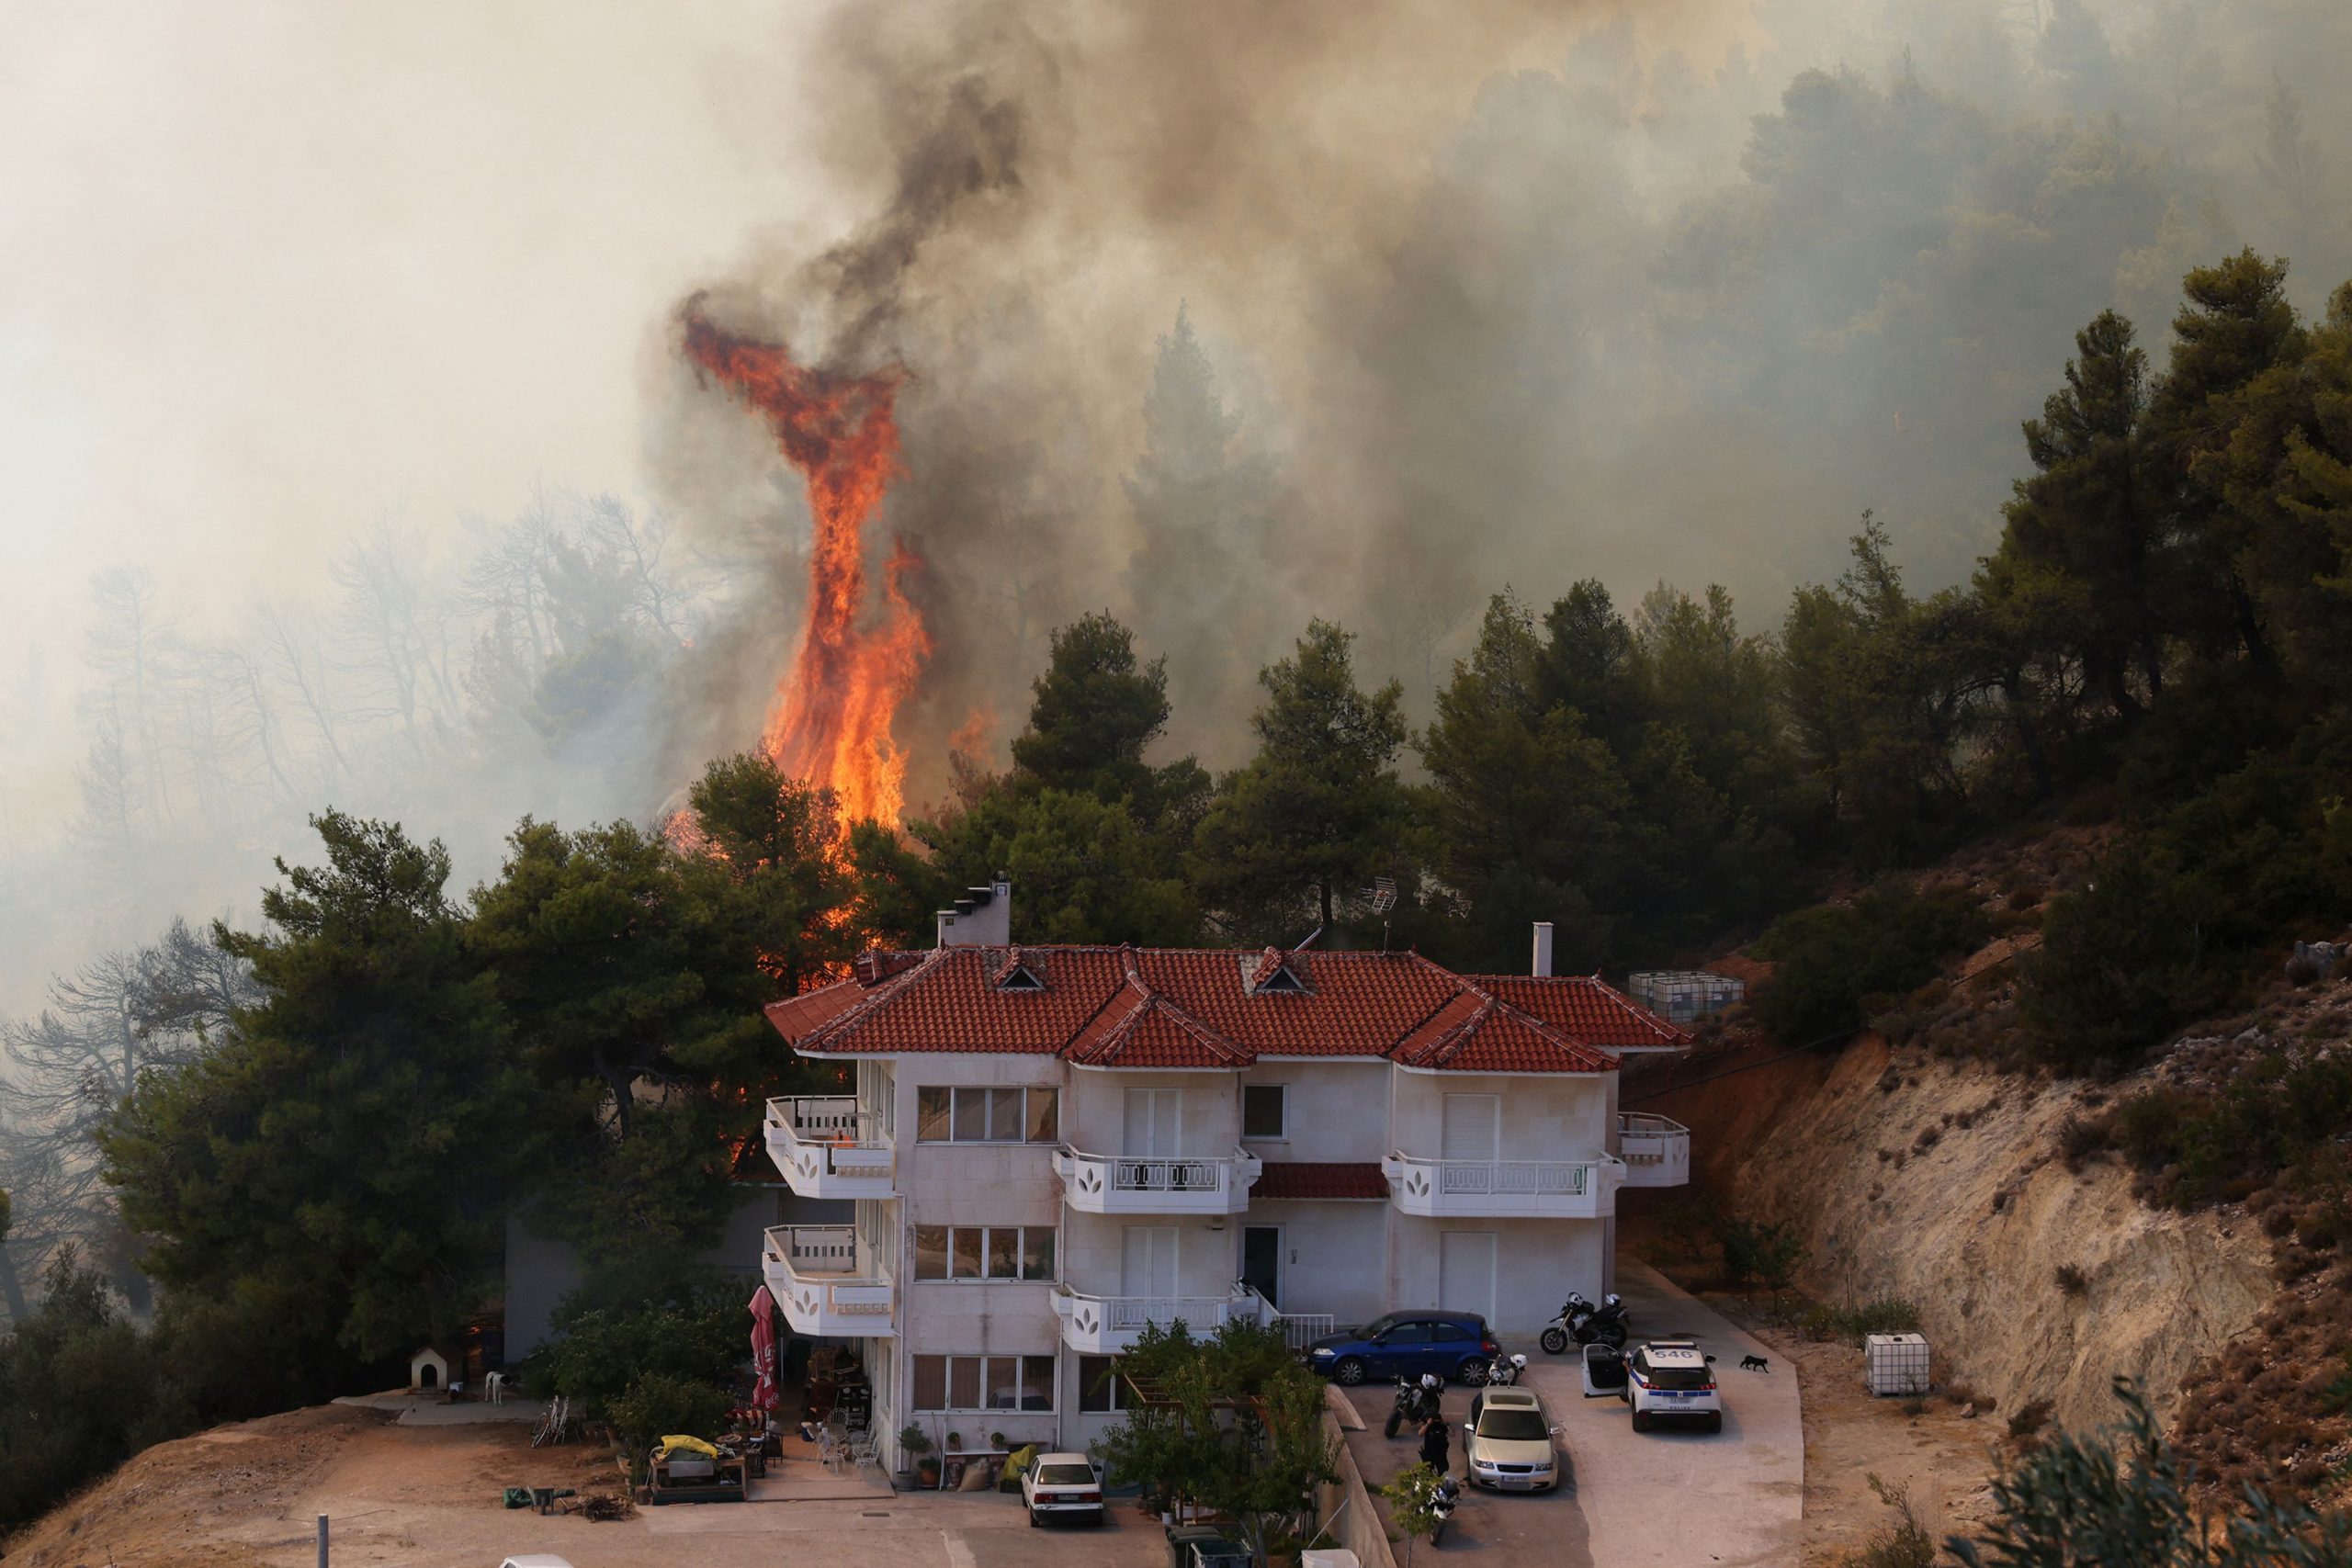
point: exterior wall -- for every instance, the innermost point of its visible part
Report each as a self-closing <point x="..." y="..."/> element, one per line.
<point x="964" y="1184"/>
<point x="1567" y="1117"/>
<point x="1537" y="1263"/>
<point x="1335" y="1256"/>
<point x="1094" y="1252"/>
<point x="1094" y="1111"/>
<point x="1338" y="1112"/>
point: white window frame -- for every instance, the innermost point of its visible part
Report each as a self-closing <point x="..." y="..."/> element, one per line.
<point x="1021" y="1391"/>
<point x="1019" y="1250"/>
<point x="1020" y="1133"/>
<point x="1250" y="1137"/>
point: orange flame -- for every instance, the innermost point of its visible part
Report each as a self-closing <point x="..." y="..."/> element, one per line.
<point x="830" y="720"/>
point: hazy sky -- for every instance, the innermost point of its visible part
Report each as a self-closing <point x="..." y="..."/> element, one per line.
<point x="270" y="271"/>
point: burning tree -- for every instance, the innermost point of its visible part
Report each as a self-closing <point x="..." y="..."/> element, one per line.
<point x="830" y="720"/>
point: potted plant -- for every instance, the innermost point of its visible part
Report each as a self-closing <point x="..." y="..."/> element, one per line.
<point x="955" y="1442"/>
<point x="996" y="1441"/>
<point x="914" y="1441"/>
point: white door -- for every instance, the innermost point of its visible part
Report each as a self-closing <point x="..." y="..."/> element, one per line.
<point x="1147" y="1267"/>
<point x="1473" y="1127"/>
<point x="1465" y="1272"/>
<point x="1151" y="1123"/>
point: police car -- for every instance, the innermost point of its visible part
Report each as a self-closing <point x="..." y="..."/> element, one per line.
<point x="1663" y="1379"/>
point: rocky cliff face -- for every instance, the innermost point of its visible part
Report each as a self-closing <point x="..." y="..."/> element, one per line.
<point x="1939" y="1182"/>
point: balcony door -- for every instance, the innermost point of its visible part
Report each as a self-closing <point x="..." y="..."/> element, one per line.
<point x="1152" y="1123"/>
<point x="1148" y="1265"/>
<point x="1261" y="1261"/>
<point x="1472" y="1128"/>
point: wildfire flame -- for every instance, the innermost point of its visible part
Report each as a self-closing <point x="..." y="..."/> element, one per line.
<point x="830" y="719"/>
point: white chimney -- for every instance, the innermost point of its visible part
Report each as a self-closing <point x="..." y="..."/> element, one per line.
<point x="1543" y="970"/>
<point x="982" y="918"/>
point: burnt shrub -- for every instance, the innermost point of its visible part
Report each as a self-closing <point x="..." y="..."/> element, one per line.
<point x="2027" y="1420"/>
<point x="2073" y="1281"/>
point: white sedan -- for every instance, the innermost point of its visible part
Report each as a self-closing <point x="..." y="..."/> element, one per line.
<point x="1508" y="1441"/>
<point x="1061" y="1485"/>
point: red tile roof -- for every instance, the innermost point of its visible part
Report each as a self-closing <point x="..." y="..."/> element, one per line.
<point x="1583" y="1006"/>
<point x="1202" y="1008"/>
<point x="1308" y="1178"/>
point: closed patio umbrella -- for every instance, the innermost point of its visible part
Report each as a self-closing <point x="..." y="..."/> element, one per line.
<point x="766" y="1395"/>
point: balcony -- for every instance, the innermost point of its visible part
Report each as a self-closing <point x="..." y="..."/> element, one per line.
<point x="1505" y="1188"/>
<point x="827" y="1148"/>
<point x="1105" y="1325"/>
<point x="1656" y="1152"/>
<point x="1127" y="1184"/>
<point x="813" y="1272"/>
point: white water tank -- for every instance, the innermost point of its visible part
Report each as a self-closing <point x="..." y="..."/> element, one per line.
<point x="1330" y="1557"/>
<point x="1896" y="1363"/>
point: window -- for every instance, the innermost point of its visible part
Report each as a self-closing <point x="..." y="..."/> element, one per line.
<point x="1409" y="1332"/>
<point x="1099" y="1388"/>
<point x="978" y="1252"/>
<point x="982" y="1115"/>
<point x="1262" y="1110"/>
<point x="983" y="1382"/>
<point x="1513" y="1425"/>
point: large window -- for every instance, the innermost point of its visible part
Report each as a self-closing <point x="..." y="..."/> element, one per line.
<point x="983" y="1382"/>
<point x="1099" y="1388"/>
<point x="984" y="1252"/>
<point x="1264" y="1111"/>
<point x="982" y="1115"/>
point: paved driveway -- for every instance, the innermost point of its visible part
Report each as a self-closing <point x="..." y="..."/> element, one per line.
<point x="1665" y="1498"/>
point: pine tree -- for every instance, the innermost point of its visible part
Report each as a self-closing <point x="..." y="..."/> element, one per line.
<point x="1319" y="810"/>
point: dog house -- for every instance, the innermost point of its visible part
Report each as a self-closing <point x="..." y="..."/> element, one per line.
<point x="428" y="1371"/>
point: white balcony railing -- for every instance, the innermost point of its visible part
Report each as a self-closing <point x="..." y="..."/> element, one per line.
<point x="1102" y="1325"/>
<point x="1505" y="1188"/>
<point x="1302" y="1329"/>
<point x="815" y="1274"/>
<point x="826" y="1147"/>
<point x="1130" y="1184"/>
<point x="1656" y="1152"/>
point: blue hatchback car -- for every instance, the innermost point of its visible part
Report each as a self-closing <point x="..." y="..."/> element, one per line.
<point x="1407" y="1344"/>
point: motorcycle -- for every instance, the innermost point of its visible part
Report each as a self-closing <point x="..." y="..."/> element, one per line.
<point x="1442" y="1502"/>
<point x="1588" y="1324"/>
<point x="1416" y="1402"/>
<point x="1503" y="1370"/>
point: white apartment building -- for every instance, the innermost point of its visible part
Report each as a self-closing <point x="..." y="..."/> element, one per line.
<point x="1049" y="1148"/>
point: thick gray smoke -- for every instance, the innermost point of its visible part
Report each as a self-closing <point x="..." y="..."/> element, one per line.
<point x="1486" y="295"/>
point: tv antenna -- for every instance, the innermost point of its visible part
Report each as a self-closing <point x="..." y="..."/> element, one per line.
<point x="1382" y="896"/>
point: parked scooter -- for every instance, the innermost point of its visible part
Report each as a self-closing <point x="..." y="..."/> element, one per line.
<point x="1585" y="1324"/>
<point x="1442" y="1503"/>
<point x="1503" y="1370"/>
<point x="1416" y="1402"/>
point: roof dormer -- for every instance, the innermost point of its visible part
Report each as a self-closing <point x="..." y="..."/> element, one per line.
<point x="1272" y="973"/>
<point x="1017" y="974"/>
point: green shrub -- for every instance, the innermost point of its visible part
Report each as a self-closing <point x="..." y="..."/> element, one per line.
<point x="658" y="1405"/>
<point x="2121" y="964"/>
<point x="1832" y="963"/>
<point x="699" y="1335"/>
<point x="1768" y="1255"/>
<point x="2122" y="1498"/>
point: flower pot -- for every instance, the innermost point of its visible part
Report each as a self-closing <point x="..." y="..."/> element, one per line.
<point x="927" y="1472"/>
